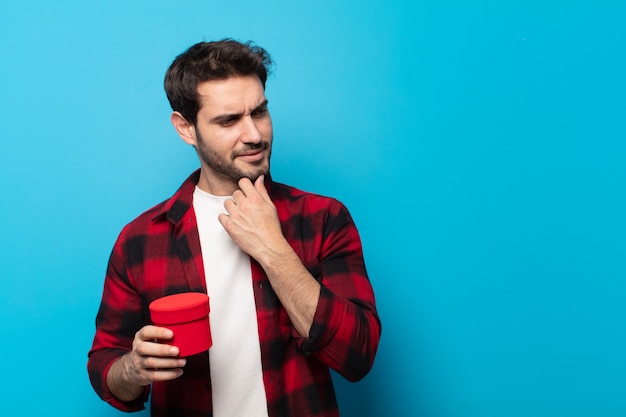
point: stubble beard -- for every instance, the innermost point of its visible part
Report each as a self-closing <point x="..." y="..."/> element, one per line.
<point x="227" y="168"/>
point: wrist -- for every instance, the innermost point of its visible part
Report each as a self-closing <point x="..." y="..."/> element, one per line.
<point x="121" y="382"/>
<point x="278" y="257"/>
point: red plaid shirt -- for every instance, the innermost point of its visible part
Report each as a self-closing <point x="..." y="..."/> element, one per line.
<point x="159" y="254"/>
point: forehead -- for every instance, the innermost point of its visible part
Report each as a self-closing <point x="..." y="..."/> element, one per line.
<point x="231" y="95"/>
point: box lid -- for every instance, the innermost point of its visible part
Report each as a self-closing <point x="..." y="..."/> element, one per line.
<point x="179" y="308"/>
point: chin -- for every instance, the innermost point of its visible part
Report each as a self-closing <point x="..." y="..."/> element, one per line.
<point x="255" y="172"/>
<point x="253" y="176"/>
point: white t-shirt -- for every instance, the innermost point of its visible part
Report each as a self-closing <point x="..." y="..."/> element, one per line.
<point x="235" y="357"/>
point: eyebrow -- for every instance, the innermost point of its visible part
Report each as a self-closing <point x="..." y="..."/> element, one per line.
<point x="235" y="116"/>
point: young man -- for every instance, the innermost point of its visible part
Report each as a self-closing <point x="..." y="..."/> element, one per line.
<point x="289" y="294"/>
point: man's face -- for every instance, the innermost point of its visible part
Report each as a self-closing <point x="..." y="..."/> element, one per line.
<point x="233" y="132"/>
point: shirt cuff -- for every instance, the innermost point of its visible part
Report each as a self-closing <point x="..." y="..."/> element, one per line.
<point x="328" y="316"/>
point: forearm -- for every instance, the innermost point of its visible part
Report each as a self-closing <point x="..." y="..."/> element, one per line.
<point x="295" y="287"/>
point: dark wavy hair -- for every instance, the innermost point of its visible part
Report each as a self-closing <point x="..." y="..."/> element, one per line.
<point x="206" y="61"/>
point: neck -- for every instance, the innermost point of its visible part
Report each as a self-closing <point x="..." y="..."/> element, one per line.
<point x="217" y="187"/>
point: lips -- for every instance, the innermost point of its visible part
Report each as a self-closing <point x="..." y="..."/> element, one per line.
<point x="252" y="156"/>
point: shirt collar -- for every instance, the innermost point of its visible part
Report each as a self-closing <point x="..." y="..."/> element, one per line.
<point x="175" y="208"/>
<point x="181" y="201"/>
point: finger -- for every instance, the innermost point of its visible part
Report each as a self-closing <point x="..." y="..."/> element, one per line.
<point x="223" y="219"/>
<point x="246" y="186"/>
<point x="229" y="205"/>
<point x="155" y="349"/>
<point x="238" y="195"/>
<point x="259" y="185"/>
<point x="260" y="182"/>
<point x="154" y="332"/>
<point x="165" y="375"/>
<point x="165" y="364"/>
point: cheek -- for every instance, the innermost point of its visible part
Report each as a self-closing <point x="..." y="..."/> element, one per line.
<point x="266" y="128"/>
<point x="224" y="141"/>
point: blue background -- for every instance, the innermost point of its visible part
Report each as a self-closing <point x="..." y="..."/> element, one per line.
<point x="480" y="147"/>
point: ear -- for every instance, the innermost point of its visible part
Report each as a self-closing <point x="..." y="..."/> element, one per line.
<point x="185" y="130"/>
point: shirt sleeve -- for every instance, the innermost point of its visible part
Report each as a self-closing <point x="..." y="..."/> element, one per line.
<point x="346" y="328"/>
<point x="119" y="317"/>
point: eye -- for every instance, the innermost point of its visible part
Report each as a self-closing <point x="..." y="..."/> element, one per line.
<point x="227" y="122"/>
<point x="260" y="112"/>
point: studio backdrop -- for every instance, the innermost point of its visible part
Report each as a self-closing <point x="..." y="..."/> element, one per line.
<point x="479" y="146"/>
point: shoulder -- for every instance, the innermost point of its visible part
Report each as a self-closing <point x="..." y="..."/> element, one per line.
<point x="308" y="212"/>
<point x="296" y="199"/>
<point x="148" y="217"/>
<point x="165" y="214"/>
<point x="148" y="224"/>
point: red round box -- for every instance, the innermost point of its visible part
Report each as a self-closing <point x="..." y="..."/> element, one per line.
<point x="187" y="315"/>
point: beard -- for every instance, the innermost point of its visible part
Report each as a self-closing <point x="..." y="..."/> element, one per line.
<point x="227" y="168"/>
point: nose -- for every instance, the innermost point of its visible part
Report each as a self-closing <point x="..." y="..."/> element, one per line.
<point x="251" y="132"/>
